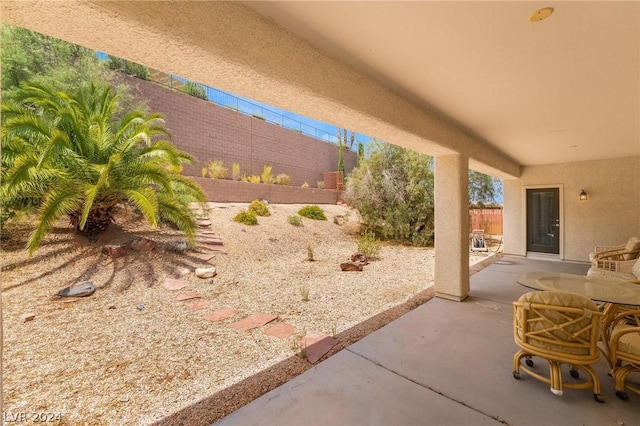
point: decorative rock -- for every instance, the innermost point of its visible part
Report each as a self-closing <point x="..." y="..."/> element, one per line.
<point x="115" y="251"/>
<point x="80" y="289"/>
<point x="188" y="296"/>
<point x="111" y="306"/>
<point x="142" y="244"/>
<point x="359" y="258"/>
<point x="220" y="315"/>
<point x="173" y="284"/>
<point x="140" y="306"/>
<point x="209" y="272"/>
<point x="177" y="246"/>
<point x="181" y="271"/>
<point x="316" y="344"/>
<point x="350" y="266"/>
<point x="339" y="219"/>
<point x="27" y="317"/>
<point x="253" y="321"/>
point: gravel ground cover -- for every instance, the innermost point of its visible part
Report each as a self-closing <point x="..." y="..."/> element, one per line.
<point x="132" y="354"/>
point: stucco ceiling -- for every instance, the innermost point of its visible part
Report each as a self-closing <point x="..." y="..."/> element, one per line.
<point x="561" y="90"/>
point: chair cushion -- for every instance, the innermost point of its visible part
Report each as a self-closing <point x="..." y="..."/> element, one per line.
<point x="632" y="245"/>
<point x="602" y="273"/>
<point x="558" y="299"/>
<point x="630" y="342"/>
<point x="636" y="269"/>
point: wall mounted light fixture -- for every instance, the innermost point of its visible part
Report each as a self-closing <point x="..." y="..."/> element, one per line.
<point x="583" y="196"/>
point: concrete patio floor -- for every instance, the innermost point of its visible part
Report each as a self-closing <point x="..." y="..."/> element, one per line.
<point x="444" y="363"/>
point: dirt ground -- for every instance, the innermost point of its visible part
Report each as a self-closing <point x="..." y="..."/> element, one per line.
<point x="132" y="354"/>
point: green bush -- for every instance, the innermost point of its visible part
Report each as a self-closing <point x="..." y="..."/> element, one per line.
<point x="295" y="220"/>
<point x="246" y="217"/>
<point x="312" y="212"/>
<point x="267" y="177"/>
<point x="215" y="169"/>
<point x="194" y="89"/>
<point x="369" y="245"/>
<point x="259" y="208"/>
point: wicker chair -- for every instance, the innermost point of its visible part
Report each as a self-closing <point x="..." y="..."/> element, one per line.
<point x="561" y="328"/>
<point x="618" y="258"/>
<point x="622" y="335"/>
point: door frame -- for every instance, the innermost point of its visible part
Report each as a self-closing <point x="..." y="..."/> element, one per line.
<point x="523" y="234"/>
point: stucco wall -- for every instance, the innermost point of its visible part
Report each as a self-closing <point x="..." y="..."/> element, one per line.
<point x="610" y="215"/>
<point x="210" y="132"/>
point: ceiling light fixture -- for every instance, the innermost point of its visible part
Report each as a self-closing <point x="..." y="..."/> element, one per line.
<point x="541" y="14"/>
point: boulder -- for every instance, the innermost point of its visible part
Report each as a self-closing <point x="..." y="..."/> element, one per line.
<point x="209" y="272"/>
<point x="27" y="317"/>
<point x="359" y="258"/>
<point x="178" y="246"/>
<point x="79" y="289"/>
<point x="142" y="244"/>
<point x="115" y="251"/>
<point x="351" y="266"/>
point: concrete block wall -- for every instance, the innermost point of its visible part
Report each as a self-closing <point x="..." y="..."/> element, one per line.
<point x="210" y="132"/>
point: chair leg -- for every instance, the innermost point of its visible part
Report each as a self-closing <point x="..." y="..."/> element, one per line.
<point x="555" y="377"/>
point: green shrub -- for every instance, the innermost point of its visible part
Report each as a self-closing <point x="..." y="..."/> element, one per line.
<point x="235" y="171"/>
<point x="246" y="217"/>
<point x="267" y="177"/>
<point x="259" y="208"/>
<point x="194" y="89"/>
<point x="283" y="179"/>
<point x="128" y="67"/>
<point x="295" y="220"/>
<point x="369" y="245"/>
<point x="312" y="212"/>
<point x="320" y="184"/>
<point x="215" y="169"/>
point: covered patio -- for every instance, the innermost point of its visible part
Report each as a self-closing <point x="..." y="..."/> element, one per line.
<point x="443" y="363"/>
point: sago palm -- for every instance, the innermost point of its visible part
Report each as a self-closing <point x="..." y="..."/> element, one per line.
<point x="72" y="154"/>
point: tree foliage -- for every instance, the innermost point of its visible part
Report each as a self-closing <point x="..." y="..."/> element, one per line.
<point x="484" y="190"/>
<point x="393" y="191"/>
<point x="69" y="153"/>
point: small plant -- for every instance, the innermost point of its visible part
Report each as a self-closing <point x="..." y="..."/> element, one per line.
<point x="304" y="293"/>
<point x="267" y="177"/>
<point x="334" y="329"/>
<point x="259" y="208"/>
<point x="295" y="220"/>
<point x="305" y="185"/>
<point x="215" y="169"/>
<point x="310" y="254"/>
<point x="320" y="184"/>
<point x="251" y="179"/>
<point x="283" y="179"/>
<point x="246" y="217"/>
<point x="312" y="212"/>
<point x="194" y="89"/>
<point x="235" y="171"/>
<point x="369" y="245"/>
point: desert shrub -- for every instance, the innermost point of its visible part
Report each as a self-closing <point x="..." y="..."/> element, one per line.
<point x="215" y="169"/>
<point x="393" y="192"/>
<point x="246" y="217"/>
<point x="235" y="171"/>
<point x="295" y="220"/>
<point x="194" y="89"/>
<point x="128" y="67"/>
<point x="369" y="245"/>
<point x="267" y="177"/>
<point x="312" y="212"/>
<point x="320" y="184"/>
<point x="304" y="185"/>
<point x="283" y="179"/>
<point x="259" y="208"/>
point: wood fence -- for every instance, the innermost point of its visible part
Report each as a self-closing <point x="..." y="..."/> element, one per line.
<point x="488" y="219"/>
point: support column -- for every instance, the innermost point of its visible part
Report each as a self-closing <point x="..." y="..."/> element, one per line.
<point x="452" y="227"/>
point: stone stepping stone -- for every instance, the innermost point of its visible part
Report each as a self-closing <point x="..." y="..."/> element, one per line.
<point x="214" y="249"/>
<point x="204" y="256"/>
<point x="253" y="321"/>
<point x="209" y="241"/>
<point x="173" y="284"/>
<point x="196" y="306"/>
<point x="203" y="222"/>
<point x="188" y="296"/>
<point x="220" y="315"/>
<point x="281" y="330"/>
<point x="316" y="345"/>
<point x="208" y="232"/>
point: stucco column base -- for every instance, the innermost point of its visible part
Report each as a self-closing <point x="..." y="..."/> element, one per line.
<point x="452" y="227"/>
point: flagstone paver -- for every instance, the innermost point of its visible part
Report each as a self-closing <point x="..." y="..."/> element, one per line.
<point x="173" y="284"/>
<point x="188" y="296"/>
<point x="316" y="344"/>
<point x="281" y="330"/>
<point x="204" y="256"/>
<point x="253" y="321"/>
<point x="220" y="315"/>
<point x="196" y="306"/>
